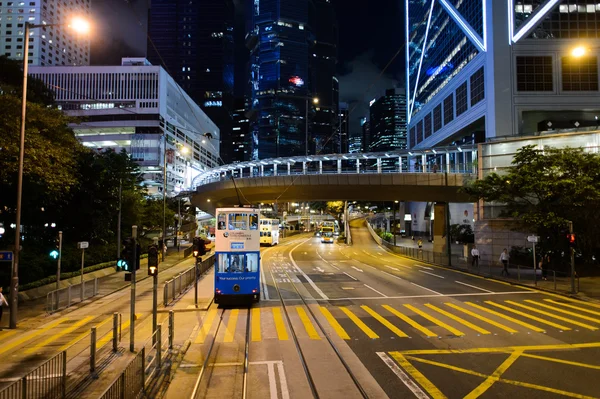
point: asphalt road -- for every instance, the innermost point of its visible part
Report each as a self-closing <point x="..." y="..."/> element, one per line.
<point x="424" y="331"/>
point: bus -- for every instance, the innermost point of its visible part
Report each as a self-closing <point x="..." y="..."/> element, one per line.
<point x="269" y="231"/>
<point x="237" y="255"/>
<point x="327" y="234"/>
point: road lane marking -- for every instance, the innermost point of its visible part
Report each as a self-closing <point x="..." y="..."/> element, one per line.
<point x="334" y="266"/>
<point x="357" y="269"/>
<point x="279" y="325"/>
<point x="532" y="317"/>
<point x="410" y="384"/>
<point x="384" y="321"/>
<point x="256" y="335"/>
<point x="503" y="316"/>
<point x="265" y="290"/>
<point x="561" y="318"/>
<point x="26" y="337"/>
<point x="207" y="322"/>
<point x="63" y="332"/>
<point x="370" y="333"/>
<point x="434" y="320"/>
<point x="482" y="318"/>
<point x="353" y="278"/>
<point x="390" y="274"/>
<point x="490" y="380"/>
<point x="334" y="323"/>
<point x="502" y="349"/>
<point x="431" y="389"/>
<point x="379" y="292"/>
<point x="437" y="295"/>
<point x="410" y="321"/>
<point x="308" y="326"/>
<point x="7" y="334"/>
<point x="432" y="274"/>
<point x="355" y="253"/>
<point x="573" y="307"/>
<point x="473" y="286"/>
<point x="458" y="319"/>
<point x="420" y="286"/>
<point x="561" y="361"/>
<point x="393" y="268"/>
<point x="424" y="267"/>
<point x="563" y="311"/>
<point x="308" y="279"/>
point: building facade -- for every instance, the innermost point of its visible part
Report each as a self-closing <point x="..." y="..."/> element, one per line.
<point x="344" y="124"/>
<point x="52" y="45"/>
<point x="241" y="138"/>
<point x="354" y="143"/>
<point x="388" y="122"/>
<point x="193" y="41"/>
<point x="140" y="108"/>
<point x="479" y="69"/>
<point x="365" y="141"/>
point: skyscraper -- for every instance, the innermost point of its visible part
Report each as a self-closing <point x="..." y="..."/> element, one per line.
<point x="388" y="122"/>
<point x="366" y="134"/>
<point x="55" y="45"/>
<point x="486" y="68"/>
<point x="193" y="41"/>
<point x="241" y="140"/>
<point x="292" y="51"/>
<point x="344" y="128"/>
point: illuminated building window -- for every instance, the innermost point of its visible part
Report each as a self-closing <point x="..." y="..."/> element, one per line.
<point x="477" y="87"/>
<point x="534" y="73"/>
<point x="461" y="99"/>
<point x="427" y="123"/>
<point x="437" y="118"/>
<point x="580" y="74"/>
<point x="448" y="109"/>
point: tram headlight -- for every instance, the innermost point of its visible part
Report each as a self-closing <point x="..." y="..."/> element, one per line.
<point x="236" y="288"/>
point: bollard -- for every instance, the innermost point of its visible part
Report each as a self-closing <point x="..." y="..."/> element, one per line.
<point x="82" y="290"/>
<point x="171" y="328"/>
<point x="93" y="350"/>
<point x="158" y="346"/>
<point x="115" y="331"/>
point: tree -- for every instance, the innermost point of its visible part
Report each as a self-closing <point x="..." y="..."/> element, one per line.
<point x="544" y="189"/>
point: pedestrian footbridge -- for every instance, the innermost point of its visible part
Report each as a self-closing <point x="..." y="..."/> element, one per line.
<point x="429" y="175"/>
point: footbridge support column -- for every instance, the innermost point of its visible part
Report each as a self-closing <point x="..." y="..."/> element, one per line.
<point x="441" y="230"/>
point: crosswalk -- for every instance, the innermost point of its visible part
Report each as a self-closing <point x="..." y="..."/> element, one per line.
<point x="405" y="320"/>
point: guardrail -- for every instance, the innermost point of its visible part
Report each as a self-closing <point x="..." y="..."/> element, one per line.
<point x="48" y="381"/>
<point x="131" y="382"/>
<point x="176" y="286"/>
<point x="65" y="297"/>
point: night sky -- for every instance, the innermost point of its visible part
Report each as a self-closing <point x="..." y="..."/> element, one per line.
<point x="371" y="32"/>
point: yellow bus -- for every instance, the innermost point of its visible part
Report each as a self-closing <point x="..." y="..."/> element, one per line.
<point x="327" y="234"/>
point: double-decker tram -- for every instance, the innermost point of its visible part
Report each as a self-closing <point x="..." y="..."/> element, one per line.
<point x="269" y="231"/>
<point x="237" y="255"/>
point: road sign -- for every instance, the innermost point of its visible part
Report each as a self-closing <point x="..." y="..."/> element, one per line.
<point x="83" y="245"/>
<point x="533" y="238"/>
<point x="6" y="256"/>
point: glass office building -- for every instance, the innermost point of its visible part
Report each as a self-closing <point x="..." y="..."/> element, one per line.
<point x="388" y="122"/>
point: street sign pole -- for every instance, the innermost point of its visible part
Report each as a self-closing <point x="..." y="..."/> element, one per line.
<point x="59" y="259"/>
<point x="572" y="262"/>
<point x="82" y="262"/>
<point x="533" y="240"/>
<point x="133" y="273"/>
<point x="154" y="306"/>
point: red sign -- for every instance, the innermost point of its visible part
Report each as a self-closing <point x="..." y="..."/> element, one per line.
<point x="170" y="156"/>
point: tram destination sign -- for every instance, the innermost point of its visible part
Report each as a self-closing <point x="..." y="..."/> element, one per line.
<point x="237" y="245"/>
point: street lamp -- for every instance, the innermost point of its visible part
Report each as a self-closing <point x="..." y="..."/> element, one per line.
<point x="81" y="26"/>
<point x="315" y="101"/>
<point x="579" y="51"/>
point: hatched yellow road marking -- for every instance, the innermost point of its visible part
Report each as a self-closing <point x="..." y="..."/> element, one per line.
<point x="458" y="319"/>
<point x="256" y="336"/>
<point x="279" y="325"/>
<point x="231" y="323"/>
<point x="431" y="389"/>
<point x="503" y="316"/>
<point x="207" y="322"/>
<point x="432" y="319"/>
<point x="573" y="307"/>
<point x="26" y="337"/>
<point x="563" y="311"/>
<point x="561" y="318"/>
<point x="490" y="380"/>
<point x="384" y="321"/>
<point x="6" y="334"/>
<point x="532" y="317"/>
<point x="63" y="332"/>
<point x="82" y="336"/>
<point x="410" y="321"/>
<point x="502" y="349"/>
<point x="555" y="360"/>
<point x="334" y="323"/>
<point x="370" y="333"/>
<point x="308" y="326"/>
<point x="482" y="318"/>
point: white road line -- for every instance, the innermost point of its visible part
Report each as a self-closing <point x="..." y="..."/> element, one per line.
<point x="424" y="267"/>
<point x="420" y="286"/>
<point x="379" y="292"/>
<point x="417" y="296"/>
<point x="393" y="268"/>
<point x="390" y="274"/>
<point x="272" y="381"/>
<point x="432" y="274"/>
<point x="265" y="290"/>
<point x="410" y="384"/>
<point x="355" y="253"/>
<point x="357" y="269"/>
<point x="334" y="266"/>
<point x="352" y="277"/>
<point x="285" y="393"/>
<point x="472" y="286"/>
<point x="312" y="283"/>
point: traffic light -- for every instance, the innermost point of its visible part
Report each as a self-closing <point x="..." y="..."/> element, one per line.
<point x="152" y="260"/>
<point x="126" y="254"/>
<point x="138" y="252"/>
<point x="55" y="252"/>
<point x="571" y="239"/>
<point x="199" y="247"/>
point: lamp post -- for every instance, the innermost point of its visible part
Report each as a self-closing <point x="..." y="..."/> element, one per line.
<point x="315" y="101"/>
<point x="78" y="25"/>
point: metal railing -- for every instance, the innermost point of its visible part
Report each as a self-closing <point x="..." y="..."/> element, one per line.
<point x="179" y="284"/>
<point x="48" y="381"/>
<point x="131" y="382"/>
<point x="65" y="297"/>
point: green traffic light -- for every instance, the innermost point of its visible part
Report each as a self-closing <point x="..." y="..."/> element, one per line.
<point x="54" y="254"/>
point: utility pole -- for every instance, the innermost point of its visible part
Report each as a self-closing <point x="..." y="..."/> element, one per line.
<point x="154" y="305"/>
<point x="59" y="259"/>
<point x="164" y="199"/>
<point x="119" y="220"/>
<point x="133" y="262"/>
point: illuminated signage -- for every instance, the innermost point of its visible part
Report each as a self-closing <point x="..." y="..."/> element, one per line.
<point x="296" y="81"/>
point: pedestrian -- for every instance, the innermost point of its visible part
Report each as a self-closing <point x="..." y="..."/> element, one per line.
<point x="475" y="255"/>
<point x="420" y="243"/>
<point x="504" y="257"/>
<point x="545" y="264"/>
<point x="434" y="168"/>
<point x="2" y="303"/>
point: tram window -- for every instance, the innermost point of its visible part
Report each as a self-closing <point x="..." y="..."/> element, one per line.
<point x="252" y="262"/>
<point x="238" y="221"/>
<point x="222" y="222"/>
<point x="253" y="221"/>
